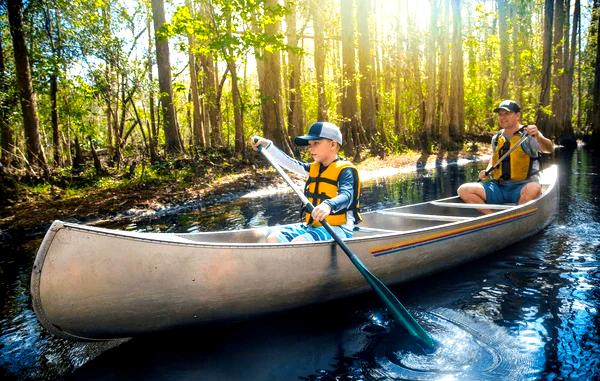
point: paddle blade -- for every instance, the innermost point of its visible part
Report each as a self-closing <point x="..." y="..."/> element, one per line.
<point x="398" y="311"/>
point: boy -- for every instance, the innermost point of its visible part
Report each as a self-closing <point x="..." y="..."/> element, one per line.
<point x="333" y="185"/>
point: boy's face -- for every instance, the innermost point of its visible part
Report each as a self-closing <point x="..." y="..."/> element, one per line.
<point x="322" y="150"/>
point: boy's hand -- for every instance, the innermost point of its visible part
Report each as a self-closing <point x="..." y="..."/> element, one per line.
<point x="257" y="141"/>
<point x="321" y="211"/>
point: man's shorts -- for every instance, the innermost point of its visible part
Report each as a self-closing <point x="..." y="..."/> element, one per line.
<point x="496" y="193"/>
<point x="310" y="233"/>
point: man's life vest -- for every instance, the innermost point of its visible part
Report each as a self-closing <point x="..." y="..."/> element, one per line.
<point x="322" y="184"/>
<point x="518" y="165"/>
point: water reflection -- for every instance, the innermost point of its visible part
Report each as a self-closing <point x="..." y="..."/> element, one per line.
<point x="538" y="297"/>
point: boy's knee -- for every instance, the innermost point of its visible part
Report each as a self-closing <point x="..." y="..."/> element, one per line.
<point x="273" y="238"/>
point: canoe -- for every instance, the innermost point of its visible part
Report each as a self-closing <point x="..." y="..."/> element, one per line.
<point x="91" y="283"/>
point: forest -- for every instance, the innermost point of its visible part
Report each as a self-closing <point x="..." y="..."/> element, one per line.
<point x="112" y="87"/>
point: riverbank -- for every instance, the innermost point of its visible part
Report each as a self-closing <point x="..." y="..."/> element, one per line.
<point x="32" y="212"/>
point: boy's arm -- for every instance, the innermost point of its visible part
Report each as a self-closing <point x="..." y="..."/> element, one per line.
<point x="345" y="195"/>
<point x="287" y="162"/>
<point x="279" y="156"/>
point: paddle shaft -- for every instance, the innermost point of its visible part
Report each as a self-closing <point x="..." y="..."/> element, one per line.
<point x="499" y="161"/>
<point x="399" y="312"/>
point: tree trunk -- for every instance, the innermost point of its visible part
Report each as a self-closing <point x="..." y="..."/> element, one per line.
<point x="457" y="89"/>
<point x="516" y="49"/>
<point x="443" y="96"/>
<point x="7" y="154"/>
<point x="596" y="87"/>
<point x="173" y="142"/>
<point x="504" y="42"/>
<point x="35" y="151"/>
<point x="78" y="161"/>
<point x="399" y="73"/>
<point x="319" y="42"/>
<point x="57" y="157"/>
<point x="568" y="139"/>
<point x="198" y="133"/>
<point x="152" y="132"/>
<point x="350" y="118"/>
<point x="559" y="45"/>
<point x="579" y="111"/>
<point x="542" y="116"/>
<point x="366" y="69"/>
<point x="100" y="171"/>
<point x="55" y="46"/>
<point x="237" y="107"/>
<point x="427" y="130"/>
<point x="211" y="99"/>
<point x="295" y="111"/>
<point x="212" y="102"/>
<point x="271" y="100"/>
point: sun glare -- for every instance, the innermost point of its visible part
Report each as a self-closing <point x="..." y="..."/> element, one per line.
<point x="393" y="13"/>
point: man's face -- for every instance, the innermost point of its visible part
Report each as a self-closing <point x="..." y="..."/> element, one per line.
<point x="508" y="119"/>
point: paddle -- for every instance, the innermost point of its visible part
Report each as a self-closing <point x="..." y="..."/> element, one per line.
<point x="499" y="161"/>
<point x="400" y="313"/>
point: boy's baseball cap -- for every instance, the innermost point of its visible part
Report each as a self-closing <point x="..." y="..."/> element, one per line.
<point x="320" y="130"/>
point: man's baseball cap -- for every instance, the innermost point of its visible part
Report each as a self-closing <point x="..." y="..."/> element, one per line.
<point x="320" y="130"/>
<point x="508" y="105"/>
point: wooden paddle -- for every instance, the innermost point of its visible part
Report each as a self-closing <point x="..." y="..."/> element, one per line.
<point x="400" y="313"/>
<point x="499" y="161"/>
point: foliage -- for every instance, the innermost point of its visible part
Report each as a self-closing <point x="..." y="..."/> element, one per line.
<point x="99" y="53"/>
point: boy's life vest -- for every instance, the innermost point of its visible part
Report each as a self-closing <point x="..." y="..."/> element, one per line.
<point x="518" y="165"/>
<point x="322" y="184"/>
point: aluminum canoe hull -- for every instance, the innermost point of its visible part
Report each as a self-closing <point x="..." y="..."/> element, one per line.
<point x="90" y="283"/>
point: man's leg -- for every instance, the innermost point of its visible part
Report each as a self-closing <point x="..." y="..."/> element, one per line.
<point x="529" y="192"/>
<point x="472" y="193"/>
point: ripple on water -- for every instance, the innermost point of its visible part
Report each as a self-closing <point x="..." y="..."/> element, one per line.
<point x="467" y="349"/>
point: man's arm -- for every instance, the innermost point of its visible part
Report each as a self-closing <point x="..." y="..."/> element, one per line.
<point x="546" y="145"/>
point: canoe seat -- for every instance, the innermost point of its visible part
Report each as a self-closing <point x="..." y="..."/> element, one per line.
<point x="426" y="217"/>
<point x="473" y="206"/>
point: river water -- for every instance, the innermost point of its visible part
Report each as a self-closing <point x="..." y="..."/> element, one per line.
<point x="528" y="312"/>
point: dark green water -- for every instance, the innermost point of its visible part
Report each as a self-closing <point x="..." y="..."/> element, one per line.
<point x="527" y="312"/>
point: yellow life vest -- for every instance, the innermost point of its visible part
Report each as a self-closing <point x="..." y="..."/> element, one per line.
<point x="517" y="166"/>
<point x="322" y="184"/>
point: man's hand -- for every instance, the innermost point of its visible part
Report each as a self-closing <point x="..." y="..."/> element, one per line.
<point x="532" y="130"/>
<point x="321" y="211"/>
<point x="482" y="175"/>
<point x="257" y="141"/>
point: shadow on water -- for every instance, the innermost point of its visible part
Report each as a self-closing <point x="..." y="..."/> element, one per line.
<point x="526" y="312"/>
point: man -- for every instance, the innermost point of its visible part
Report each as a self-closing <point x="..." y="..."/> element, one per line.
<point x="333" y="185"/>
<point x="515" y="180"/>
